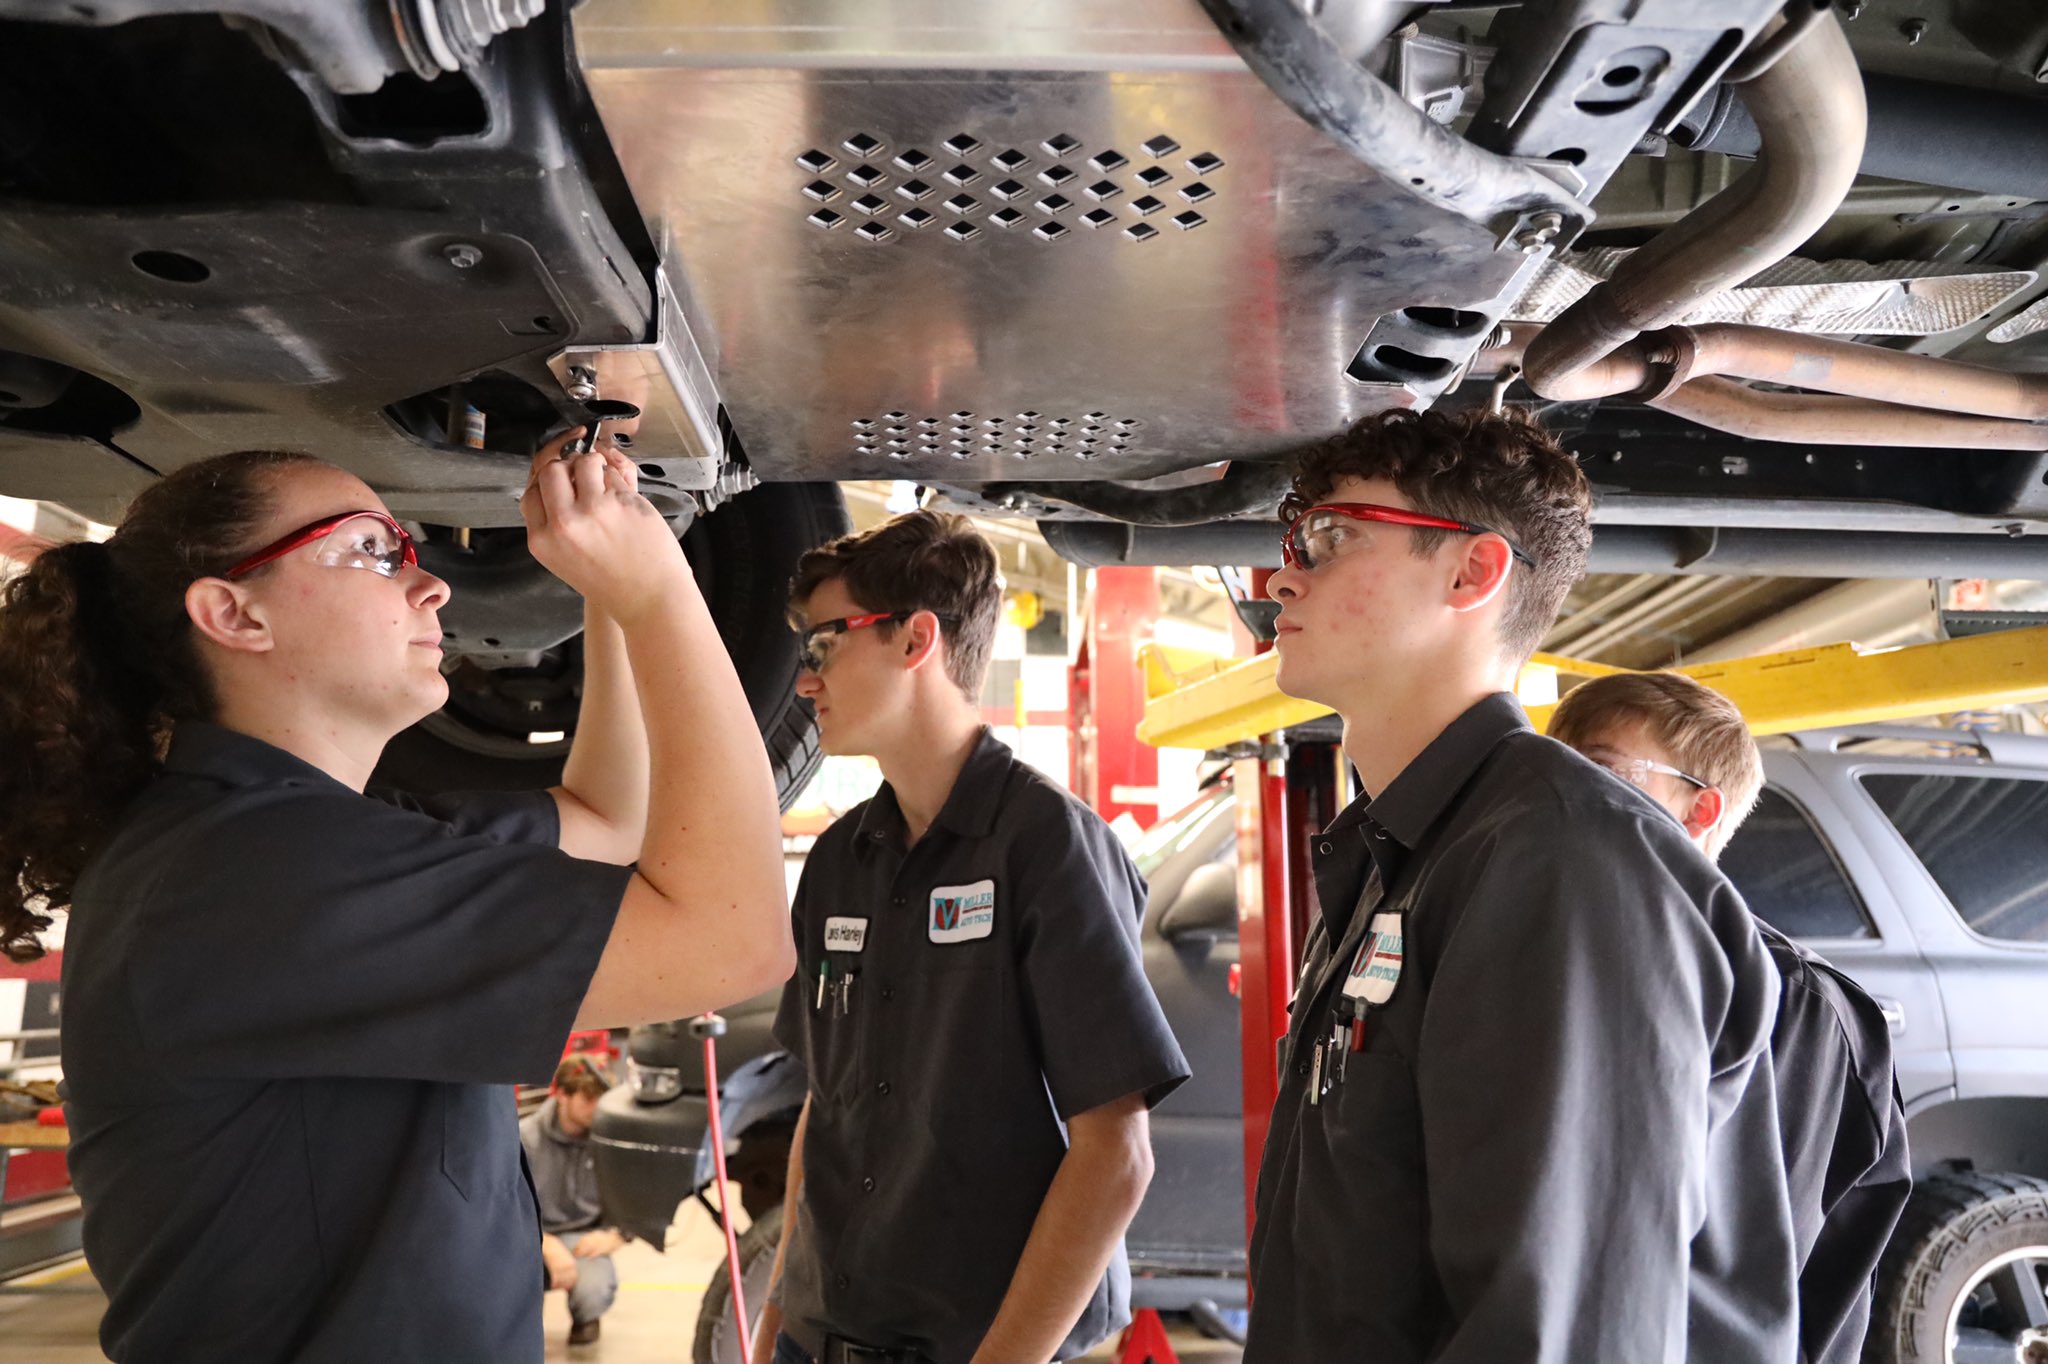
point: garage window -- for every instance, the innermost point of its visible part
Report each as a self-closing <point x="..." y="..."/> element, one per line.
<point x="1789" y="876"/>
<point x="1980" y="838"/>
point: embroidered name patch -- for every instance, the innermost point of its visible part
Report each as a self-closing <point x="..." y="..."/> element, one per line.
<point x="963" y="913"/>
<point x="845" y="935"/>
<point x="1376" y="970"/>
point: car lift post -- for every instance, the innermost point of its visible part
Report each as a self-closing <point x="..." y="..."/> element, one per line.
<point x="1114" y="772"/>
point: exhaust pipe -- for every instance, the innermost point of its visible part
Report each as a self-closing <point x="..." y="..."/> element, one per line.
<point x="1862" y="395"/>
<point x="1618" y="340"/>
<point x="1808" y="107"/>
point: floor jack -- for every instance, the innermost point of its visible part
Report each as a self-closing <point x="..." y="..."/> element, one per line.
<point x="1144" y="1341"/>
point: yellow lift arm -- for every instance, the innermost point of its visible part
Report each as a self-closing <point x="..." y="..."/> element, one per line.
<point x="1196" y="701"/>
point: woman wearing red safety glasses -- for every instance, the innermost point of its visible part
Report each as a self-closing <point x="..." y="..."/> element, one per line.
<point x="290" y="1008"/>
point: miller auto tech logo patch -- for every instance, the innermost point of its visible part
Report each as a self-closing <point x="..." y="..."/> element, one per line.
<point x="1376" y="970"/>
<point x="962" y="913"/>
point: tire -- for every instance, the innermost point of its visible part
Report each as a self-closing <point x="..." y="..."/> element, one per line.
<point x="743" y="555"/>
<point x="718" y="1339"/>
<point x="1958" y="1235"/>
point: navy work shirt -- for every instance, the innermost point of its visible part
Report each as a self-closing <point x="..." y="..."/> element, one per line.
<point x="1846" y="1158"/>
<point x="1557" y="1143"/>
<point x="996" y="991"/>
<point x="291" y="1017"/>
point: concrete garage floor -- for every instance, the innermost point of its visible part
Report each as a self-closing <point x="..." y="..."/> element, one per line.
<point x="653" y="1322"/>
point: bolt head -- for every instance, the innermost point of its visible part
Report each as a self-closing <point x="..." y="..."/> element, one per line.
<point x="1539" y="231"/>
<point x="463" y="255"/>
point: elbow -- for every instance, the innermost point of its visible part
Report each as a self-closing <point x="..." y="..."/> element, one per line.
<point x="774" y="959"/>
<point x="1123" y="1166"/>
<point x="1139" y="1168"/>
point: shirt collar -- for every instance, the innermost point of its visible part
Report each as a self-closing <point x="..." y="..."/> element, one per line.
<point x="970" y="808"/>
<point x="1417" y="798"/>
<point x="199" y="749"/>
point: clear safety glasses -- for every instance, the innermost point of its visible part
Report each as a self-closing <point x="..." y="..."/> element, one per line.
<point x="356" y="539"/>
<point x="1636" y="771"/>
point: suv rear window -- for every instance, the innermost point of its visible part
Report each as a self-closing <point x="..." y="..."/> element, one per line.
<point x="1178" y="830"/>
<point x="1980" y="838"/>
<point x="1789" y="877"/>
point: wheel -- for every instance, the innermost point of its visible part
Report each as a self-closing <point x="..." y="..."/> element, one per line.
<point x="1965" y="1279"/>
<point x="760" y="1167"/>
<point x="718" y="1338"/>
<point x="743" y="555"/>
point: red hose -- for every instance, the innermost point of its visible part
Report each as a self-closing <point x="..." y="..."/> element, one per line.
<point x="732" y="1241"/>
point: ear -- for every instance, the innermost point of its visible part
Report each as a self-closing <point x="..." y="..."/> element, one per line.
<point x="1481" y="565"/>
<point x="922" y="641"/>
<point x="1707" y="808"/>
<point x="227" y="614"/>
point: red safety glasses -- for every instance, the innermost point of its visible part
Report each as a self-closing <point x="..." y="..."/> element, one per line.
<point x="1317" y="534"/>
<point x="818" y="639"/>
<point x="352" y="539"/>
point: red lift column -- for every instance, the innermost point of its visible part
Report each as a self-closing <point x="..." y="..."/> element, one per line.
<point x="1114" y="770"/>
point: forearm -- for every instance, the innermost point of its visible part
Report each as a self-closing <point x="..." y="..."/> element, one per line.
<point x="1092" y="1199"/>
<point x="607" y="769"/>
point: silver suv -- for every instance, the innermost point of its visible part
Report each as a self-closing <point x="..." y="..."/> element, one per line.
<point x="1915" y="861"/>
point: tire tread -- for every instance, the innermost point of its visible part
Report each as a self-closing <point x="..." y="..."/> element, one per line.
<point x="1945" y="1218"/>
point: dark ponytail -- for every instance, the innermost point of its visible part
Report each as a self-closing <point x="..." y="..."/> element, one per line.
<point x="97" y="662"/>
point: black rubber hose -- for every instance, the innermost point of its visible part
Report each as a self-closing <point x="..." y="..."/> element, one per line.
<point x="1307" y="69"/>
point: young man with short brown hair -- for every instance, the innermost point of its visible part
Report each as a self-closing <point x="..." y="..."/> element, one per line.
<point x="1686" y="746"/>
<point x="1624" y="721"/>
<point x="576" y="1246"/>
<point x="1524" y="1105"/>
<point x="969" y="1003"/>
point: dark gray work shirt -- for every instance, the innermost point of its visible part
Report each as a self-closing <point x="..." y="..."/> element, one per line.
<point x="996" y="991"/>
<point x="564" y="1172"/>
<point x="1542" y="1152"/>
<point x="1846" y="1160"/>
<point x="292" y="1014"/>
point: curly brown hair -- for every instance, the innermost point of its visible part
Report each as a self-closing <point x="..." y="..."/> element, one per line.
<point x="97" y="662"/>
<point x="1499" y="470"/>
<point x="920" y="561"/>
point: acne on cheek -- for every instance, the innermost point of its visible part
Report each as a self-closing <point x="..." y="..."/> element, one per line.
<point x="1359" y="603"/>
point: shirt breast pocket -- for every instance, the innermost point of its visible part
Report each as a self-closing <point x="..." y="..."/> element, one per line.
<point x="839" y="1027"/>
<point x="479" y="1139"/>
<point x="964" y="1046"/>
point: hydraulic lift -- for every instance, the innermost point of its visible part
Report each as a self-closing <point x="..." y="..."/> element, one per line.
<point x="1291" y="779"/>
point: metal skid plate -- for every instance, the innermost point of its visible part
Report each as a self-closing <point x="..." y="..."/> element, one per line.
<point x="1091" y="246"/>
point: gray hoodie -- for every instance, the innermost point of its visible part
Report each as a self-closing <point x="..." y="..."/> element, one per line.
<point x="564" y="1172"/>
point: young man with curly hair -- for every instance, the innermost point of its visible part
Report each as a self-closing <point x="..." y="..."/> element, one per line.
<point x="1525" y="1109"/>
